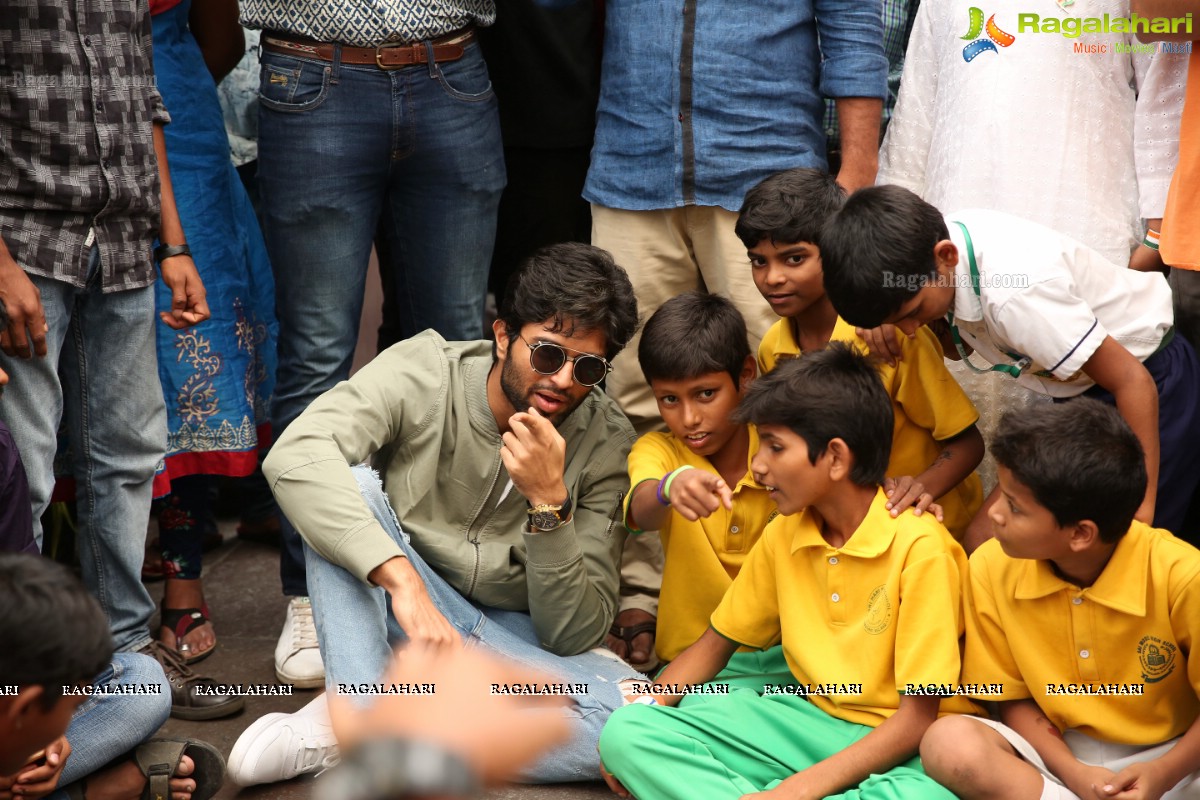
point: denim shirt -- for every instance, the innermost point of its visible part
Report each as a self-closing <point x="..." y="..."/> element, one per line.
<point x="701" y="100"/>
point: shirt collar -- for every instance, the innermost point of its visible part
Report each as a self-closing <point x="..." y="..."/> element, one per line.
<point x="967" y="306"/>
<point x="1121" y="585"/>
<point x="872" y="537"/>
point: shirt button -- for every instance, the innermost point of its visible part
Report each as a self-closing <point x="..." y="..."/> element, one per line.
<point x="733" y="529"/>
<point x="836" y="597"/>
<point x="833" y="559"/>
<point x="87" y="40"/>
<point x="1084" y="654"/>
<point x="1077" y="600"/>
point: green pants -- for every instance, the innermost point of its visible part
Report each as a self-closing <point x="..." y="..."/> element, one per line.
<point x="749" y="670"/>
<point x="738" y="744"/>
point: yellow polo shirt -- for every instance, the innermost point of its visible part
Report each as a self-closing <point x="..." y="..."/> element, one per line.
<point x="884" y="610"/>
<point x="928" y="404"/>
<point x="1043" y="637"/>
<point x="700" y="559"/>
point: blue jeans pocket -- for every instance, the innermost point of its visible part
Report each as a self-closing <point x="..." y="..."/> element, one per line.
<point x="292" y="84"/>
<point x="466" y="79"/>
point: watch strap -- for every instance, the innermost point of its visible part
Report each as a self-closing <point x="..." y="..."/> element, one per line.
<point x="165" y="251"/>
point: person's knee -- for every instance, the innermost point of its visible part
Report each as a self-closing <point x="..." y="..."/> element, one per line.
<point x="148" y="708"/>
<point x="625" y="734"/>
<point x="954" y="749"/>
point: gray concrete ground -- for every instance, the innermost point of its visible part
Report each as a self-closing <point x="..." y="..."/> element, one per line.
<point x="241" y="583"/>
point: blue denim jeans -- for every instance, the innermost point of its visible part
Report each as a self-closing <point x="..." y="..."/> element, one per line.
<point x="341" y="147"/>
<point x="106" y="727"/>
<point x="100" y="375"/>
<point x="356" y="631"/>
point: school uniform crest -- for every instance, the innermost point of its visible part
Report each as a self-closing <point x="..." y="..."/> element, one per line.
<point x="1157" y="658"/>
<point x="879" y="611"/>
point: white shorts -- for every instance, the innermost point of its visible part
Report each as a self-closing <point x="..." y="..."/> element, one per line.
<point x="1115" y="757"/>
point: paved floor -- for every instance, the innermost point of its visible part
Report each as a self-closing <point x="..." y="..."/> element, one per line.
<point x="242" y="588"/>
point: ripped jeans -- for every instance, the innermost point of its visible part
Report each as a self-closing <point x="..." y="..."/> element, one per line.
<point x="356" y="631"/>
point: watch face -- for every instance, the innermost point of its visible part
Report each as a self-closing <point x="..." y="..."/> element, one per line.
<point x="545" y="520"/>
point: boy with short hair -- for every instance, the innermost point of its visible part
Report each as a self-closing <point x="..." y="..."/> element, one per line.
<point x="865" y="604"/>
<point x="935" y="443"/>
<point x="1101" y="686"/>
<point x="1034" y="304"/>
<point x="694" y="484"/>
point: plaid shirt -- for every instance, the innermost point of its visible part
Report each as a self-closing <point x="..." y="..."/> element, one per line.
<point x="77" y="162"/>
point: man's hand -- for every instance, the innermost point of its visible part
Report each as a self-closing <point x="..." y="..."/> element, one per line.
<point x="415" y="612"/>
<point x="697" y="493"/>
<point x="534" y="454"/>
<point x="189" y="300"/>
<point x="25" y="335"/>
<point x="496" y="734"/>
<point x="904" y="492"/>
<point x="39" y="778"/>
<point x="884" y="342"/>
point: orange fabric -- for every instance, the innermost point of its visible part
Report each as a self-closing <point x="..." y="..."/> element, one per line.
<point x="1180" y="244"/>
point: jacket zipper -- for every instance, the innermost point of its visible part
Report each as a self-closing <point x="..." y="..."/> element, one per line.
<point x="471" y="528"/>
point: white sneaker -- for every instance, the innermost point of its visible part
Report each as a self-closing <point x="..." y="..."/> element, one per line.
<point x="297" y="657"/>
<point x="278" y="747"/>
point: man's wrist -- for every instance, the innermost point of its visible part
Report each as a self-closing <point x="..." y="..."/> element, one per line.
<point x="551" y="497"/>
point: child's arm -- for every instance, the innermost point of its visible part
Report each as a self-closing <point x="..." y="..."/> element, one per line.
<point x="694" y="493"/>
<point x="700" y="663"/>
<point x="960" y="455"/>
<point x="896" y="739"/>
<point x="1150" y="780"/>
<point x="1115" y="368"/>
<point x="1024" y="717"/>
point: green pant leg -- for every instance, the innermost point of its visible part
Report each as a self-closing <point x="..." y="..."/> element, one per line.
<point x="720" y="749"/>
<point x="906" y="781"/>
<point x="749" y="670"/>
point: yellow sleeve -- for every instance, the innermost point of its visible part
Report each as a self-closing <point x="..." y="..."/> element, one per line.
<point x="929" y="622"/>
<point x="651" y="457"/>
<point x="928" y="393"/>
<point x="768" y="346"/>
<point x="1185" y="623"/>
<point x="749" y="612"/>
<point x="988" y="658"/>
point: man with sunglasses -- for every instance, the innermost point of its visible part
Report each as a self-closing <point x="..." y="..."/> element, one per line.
<point x="504" y="471"/>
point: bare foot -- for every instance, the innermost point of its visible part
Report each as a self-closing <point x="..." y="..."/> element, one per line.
<point x="125" y="782"/>
<point x="180" y="593"/>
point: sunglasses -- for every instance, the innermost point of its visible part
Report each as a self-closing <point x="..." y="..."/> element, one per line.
<point x="547" y="358"/>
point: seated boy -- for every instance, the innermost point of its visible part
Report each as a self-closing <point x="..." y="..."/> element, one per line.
<point x="70" y="707"/>
<point x="935" y="443"/>
<point x="694" y="485"/>
<point x="1033" y="304"/>
<point x="1100" y="687"/>
<point x="866" y="605"/>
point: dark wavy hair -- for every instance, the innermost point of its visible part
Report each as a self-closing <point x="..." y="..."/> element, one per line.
<point x="577" y="285"/>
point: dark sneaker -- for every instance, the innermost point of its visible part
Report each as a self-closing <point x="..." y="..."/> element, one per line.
<point x="192" y="696"/>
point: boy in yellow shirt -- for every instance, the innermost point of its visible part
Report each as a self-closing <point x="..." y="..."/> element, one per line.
<point x="693" y="485"/>
<point x="1087" y="617"/>
<point x="867" y="605"/>
<point x="935" y="444"/>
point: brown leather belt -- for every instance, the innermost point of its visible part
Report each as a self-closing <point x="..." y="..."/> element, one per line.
<point x="385" y="56"/>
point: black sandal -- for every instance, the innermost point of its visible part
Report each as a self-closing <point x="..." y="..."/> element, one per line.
<point x="183" y="621"/>
<point x="158" y="760"/>
<point x="628" y="633"/>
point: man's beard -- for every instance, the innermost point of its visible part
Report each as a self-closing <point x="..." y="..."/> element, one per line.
<point x="510" y="385"/>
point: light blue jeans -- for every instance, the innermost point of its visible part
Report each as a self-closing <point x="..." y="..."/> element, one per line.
<point x="106" y="727"/>
<point x="356" y="631"/>
<point x="345" y="151"/>
<point x="100" y="374"/>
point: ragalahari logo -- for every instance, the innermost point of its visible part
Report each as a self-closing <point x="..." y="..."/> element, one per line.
<point x="995" y="36"/>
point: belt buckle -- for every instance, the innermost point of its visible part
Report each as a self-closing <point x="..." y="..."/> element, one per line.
<point x="417" y="48"/>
